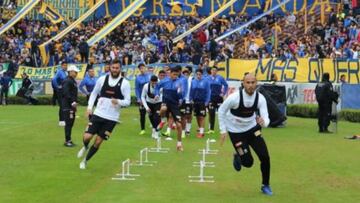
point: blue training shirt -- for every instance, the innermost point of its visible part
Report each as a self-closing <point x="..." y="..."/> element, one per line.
<point x="59" y="77"/>
<point x="200" y="91"/>
<point x="172" y="90"/>
<point x="217" y="83"/>
<point x="140" y="81"/>
<point x="89" y="83"/>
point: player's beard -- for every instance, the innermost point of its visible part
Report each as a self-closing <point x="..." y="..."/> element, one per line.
<point x="115" y="75"/>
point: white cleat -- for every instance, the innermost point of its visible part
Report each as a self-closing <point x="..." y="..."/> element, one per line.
<point x="83" y="164"/>
<point x="61" y="123"/>
<point x="156" y="135"/>
<point x="81" y="153"/>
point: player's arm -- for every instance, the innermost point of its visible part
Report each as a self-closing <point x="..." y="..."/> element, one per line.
<point x="81" y="87"/>
<point x="263" y="120"/>
<point x="143" y="96"/>
<point x="95" y="93"/>
<point x="137" y="90"/>
<point x="225" y="84"/>
<point x="225" y="107"/>
<point x="208" y="93"/>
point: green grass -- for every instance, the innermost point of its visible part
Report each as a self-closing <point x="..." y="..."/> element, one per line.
<point x="35" y="167"/>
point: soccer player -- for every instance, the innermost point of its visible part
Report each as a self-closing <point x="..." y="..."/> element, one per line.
<point x="219" y="88"/>
<point x="89" y="83"/>
<point x="151" y="104"/>
<point x="57" y="81"/>
<point x="114" y="92"/>
<point x="140" y="81"/>
<point x="200" y="97"/>
<point x="172" y="94"/>
<point x="69" y="102"/>
<point x="238" y="118"/>
<point x="186" y="107"/>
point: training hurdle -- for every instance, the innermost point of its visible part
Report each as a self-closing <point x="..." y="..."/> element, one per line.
<point x="158" y="148"/>
<point x="125" y="172"/>
<point x="206" y="164"/>
<point x="144" y="155"/>
<point x="207" y="147"/>
<point x="201" y="178"/>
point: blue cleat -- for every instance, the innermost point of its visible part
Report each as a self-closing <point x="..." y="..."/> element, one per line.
<point x="266" y="189"/>
<point x="237" y="162"/>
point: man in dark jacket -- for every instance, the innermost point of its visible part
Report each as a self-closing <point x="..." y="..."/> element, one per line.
<point x="84" y="50"/>
<point x="69" y="102"/>
<point x="325" y="95"/>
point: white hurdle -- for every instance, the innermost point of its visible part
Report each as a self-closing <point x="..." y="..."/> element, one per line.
<point x="201" y="178"/>
<point x="144" y="155"/>
<point x="207" y="147"/>
<point x="158" y="148"/>
<point x="125" y="172"/>
<point x="206" y="164"/>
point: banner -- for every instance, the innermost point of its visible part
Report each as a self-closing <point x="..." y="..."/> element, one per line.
<point x="350" y="96"/>
<point x="73" y="9"/>
<point x="304" y="70"/>
<point x="3" y="67"/>
<point x="52" y="14"/>
<point x="47" y="73"/>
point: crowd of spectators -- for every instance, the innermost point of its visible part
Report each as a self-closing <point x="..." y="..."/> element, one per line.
<point x="149" y="40"/>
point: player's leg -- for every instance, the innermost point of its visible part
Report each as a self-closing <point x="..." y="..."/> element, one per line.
<point x="175" y="112"/>
<point x="162" y="113"/>
<point x="260" y="148"/>
<point x="212" y="113"/>
<point x="69" y="117"/>
<point x="142" y="111"/>
<point x="188" y="116"/>
<point x="242" y="155"/>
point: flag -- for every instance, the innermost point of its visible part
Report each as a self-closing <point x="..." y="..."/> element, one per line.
<point x="51" y="13"/>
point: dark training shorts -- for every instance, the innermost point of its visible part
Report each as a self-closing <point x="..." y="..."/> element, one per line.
<point x="100" y="126"/>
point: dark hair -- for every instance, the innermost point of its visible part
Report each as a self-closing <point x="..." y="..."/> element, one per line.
<point x="178" y="68"/>
<point x="199" y="71"/>
<point x="162" y="72"/>
<point x="174" y="70"/>
<point x="141" y="64"/>
<point x="115" y="61"/>
<point x="154" y="78"/>
<point x="189" y="68"/>
<point x="326" y="77"/>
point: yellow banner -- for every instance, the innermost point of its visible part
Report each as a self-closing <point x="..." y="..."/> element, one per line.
<point x="301" y="70"/>
<point x="51" y="13"/>
<point x="47" y="73"/>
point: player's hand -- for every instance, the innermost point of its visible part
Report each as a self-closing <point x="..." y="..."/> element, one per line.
<point x="148" y="110"/>
<point x="114" y="102"/>
<point x="260" y="121"/>
<point x="88" y="112"/>
<point x="222" y="138"/>
<point x="74" y="104"/>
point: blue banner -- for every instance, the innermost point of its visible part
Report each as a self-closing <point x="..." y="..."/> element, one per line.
<point x="350" y="96"/>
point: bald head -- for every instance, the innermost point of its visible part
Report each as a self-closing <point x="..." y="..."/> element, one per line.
<point x="249" y="83"/>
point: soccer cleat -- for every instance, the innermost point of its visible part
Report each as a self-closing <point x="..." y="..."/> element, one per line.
<point x="62" y="123"/>
<point x="155" y="135"/>
<point x="187" y="133"/>
<point x="183" y="135"/>
<point x="142" y="132"/>
<point x="161" y="125"/>
<point x="210" y="132"/>
<point x="81" y="153"/>
<point x="166" y="134"/>
<point x="200" y="135"/>
<point x="237" y="162"/>
<point x="69" y="144"/>
<point x="179" y="147"/>
<point x="83" y="164"/>
<point x="266" y="189"/>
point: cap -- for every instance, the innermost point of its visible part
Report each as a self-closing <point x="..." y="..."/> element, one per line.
<point x="73" y="68"/>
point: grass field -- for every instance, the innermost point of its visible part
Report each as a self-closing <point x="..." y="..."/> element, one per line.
<point x="35" y="167"/>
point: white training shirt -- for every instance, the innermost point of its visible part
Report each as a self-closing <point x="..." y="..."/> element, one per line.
<point x="105" y="109"/>
<point x="145" y="98"/>
<point x="230" y="123"/>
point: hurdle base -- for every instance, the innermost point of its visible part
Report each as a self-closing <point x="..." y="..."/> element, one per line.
<point x="122" y="178"/>
<point x="159" y="150"/>
<point x="202" y="179"/>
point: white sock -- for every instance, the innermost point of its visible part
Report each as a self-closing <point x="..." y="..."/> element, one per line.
<point x="179" y="143"/>
<point x="201" y="130"/>
<point x="168" y="130"/>
<point x="188" y="127"/>
<point x="153" y="130"/>
<point x="174" y="125"/>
